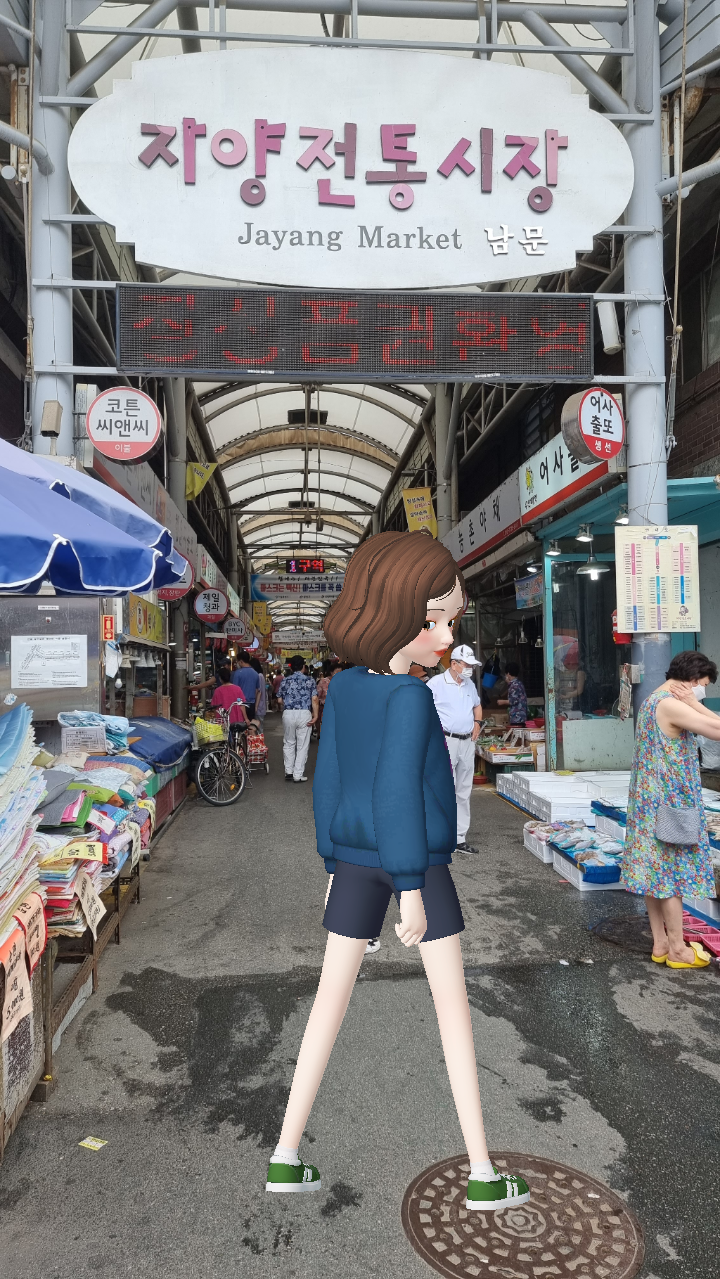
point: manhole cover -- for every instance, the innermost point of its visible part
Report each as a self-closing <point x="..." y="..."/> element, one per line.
<point x="574" y="1227"/>
<point x="632" y="932"/>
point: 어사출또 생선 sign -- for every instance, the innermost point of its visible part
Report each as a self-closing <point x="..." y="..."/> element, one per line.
<point x="350" y="168"/>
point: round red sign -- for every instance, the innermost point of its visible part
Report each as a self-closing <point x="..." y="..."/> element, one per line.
<point x="601" y="423"/>
<point x="211" y="606"/>
<point x="123" y="424"/>
<point x="181" y="588"/>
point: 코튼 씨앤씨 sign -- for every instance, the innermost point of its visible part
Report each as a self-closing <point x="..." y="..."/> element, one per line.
<point x="350" y="167"/>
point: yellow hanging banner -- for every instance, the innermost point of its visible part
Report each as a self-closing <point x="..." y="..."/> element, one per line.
<point x="419" y="510"/>
<point x="197" y="475"/>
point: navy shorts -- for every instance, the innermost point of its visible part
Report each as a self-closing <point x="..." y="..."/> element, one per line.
<point x="360" y="895"/>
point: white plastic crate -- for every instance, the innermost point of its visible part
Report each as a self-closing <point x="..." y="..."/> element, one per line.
<point x="608" y="826"/>
<point x="536" y="846"/>
<point x="707" y="906"/>
<point x="572" y="873"/>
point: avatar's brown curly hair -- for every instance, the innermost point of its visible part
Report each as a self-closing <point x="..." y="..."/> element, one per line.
<point x="383" y="604"/>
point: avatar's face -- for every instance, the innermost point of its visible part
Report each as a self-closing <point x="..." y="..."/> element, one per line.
<point x="436" y="635"/>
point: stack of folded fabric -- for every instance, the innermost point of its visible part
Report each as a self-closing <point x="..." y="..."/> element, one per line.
<point x="59" y="877"/>
<point x="21" y="786"/>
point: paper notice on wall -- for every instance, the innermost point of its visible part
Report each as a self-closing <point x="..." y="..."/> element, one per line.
<point x="48" y="661"/>
<point x="92" y="907"/>
<point x="31" y="917"/>
<point x="658" y="585"/>
<point x="18" y="998"/>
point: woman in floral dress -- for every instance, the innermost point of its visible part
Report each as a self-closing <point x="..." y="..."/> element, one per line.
<point x="666" y="770"/>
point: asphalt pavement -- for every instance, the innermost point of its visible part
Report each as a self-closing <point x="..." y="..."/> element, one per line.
<point x="182" y="1060"/>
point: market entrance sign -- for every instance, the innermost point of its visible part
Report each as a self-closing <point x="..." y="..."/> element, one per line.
<point x="123" y="424"/>
<point x="350" y="168"/>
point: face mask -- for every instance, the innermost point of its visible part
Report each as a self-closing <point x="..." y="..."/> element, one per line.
<point x="699" y="691"/>
<point x="466" y="672"/>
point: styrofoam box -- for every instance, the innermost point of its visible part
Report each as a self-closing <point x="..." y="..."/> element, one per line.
<point x="536" y="846"/>
<point x="573" y="874"/>
<point x="607" y="826"/>
<point x="707" y="906"/>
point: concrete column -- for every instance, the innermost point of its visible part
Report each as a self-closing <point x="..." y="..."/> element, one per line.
<point x="176" y="418"/>
<point x="51" y="253"/>
<point x="443" y="404"/>
<point x="233" y="576"/>
<point x="644" y="322"/>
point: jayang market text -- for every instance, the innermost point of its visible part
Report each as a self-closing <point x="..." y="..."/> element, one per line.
<point x="379" y="237"/>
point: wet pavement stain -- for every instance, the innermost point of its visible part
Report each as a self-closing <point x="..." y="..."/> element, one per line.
<point x="667" y="1114"/>
<point x="341" y="1196"/>
<point x="222" y="1032"/>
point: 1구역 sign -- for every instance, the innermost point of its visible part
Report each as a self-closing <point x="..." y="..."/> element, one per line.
<point x="657" y="578"/>
<point x="350" y="167"/>
<point x="123" y="424"/>
<point x="211" y="606"/>
<point x="593" y="426"/>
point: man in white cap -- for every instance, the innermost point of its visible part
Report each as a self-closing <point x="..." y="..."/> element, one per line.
<point x="457" y="703"/>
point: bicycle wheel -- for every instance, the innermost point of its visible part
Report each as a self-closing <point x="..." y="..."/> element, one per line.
<point x="220" y="776"/>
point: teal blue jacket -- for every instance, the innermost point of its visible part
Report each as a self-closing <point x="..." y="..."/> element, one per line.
<point x="383" y="791"/>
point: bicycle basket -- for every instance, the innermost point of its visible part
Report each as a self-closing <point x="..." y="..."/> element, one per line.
<point x="207" y="732"/>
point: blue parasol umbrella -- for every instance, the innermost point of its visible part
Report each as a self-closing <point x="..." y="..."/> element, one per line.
<point x="81" y="536"/>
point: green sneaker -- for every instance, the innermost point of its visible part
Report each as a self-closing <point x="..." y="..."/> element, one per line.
<point x="292" y="1178"/>
<point x="490" y="1195"/>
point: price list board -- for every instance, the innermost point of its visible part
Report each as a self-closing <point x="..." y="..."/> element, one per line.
<point x="657" y="578"/>
<point x="308" y="335"/>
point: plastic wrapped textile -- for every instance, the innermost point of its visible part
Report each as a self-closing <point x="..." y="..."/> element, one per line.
<point x="116" y="726"/>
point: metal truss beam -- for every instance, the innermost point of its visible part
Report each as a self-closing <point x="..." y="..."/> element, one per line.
<point x="255" y="522"/>
<point x="330" y="388"/>
<point x="296" y="437"/>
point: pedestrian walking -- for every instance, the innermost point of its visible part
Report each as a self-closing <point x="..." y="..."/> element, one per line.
<point x="297" y="699"/>
<point x="516" y="700"/>
<point x="249" y="681"/>
<point x="385" y="822"/>
<point x="261" y="701"/>
<point x="667" y="851"/>
<point x="457" y="703"/>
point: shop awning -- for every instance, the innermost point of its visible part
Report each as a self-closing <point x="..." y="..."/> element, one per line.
<point x="58" y="525"/>
<point x="695" y="500"/>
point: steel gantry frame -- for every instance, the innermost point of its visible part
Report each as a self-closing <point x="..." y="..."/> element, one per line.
<point x="637" y="112"/>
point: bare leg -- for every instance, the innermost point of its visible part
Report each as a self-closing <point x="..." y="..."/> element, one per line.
<point x="657" y="923"/>
<point x="446" y="975"/>
<point x="672" y="914"/>
<point x="343" y="956"/>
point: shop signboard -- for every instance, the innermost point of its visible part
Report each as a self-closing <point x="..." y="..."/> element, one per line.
<point x="419" y="510"/>
<point x="493" y="519"/>
<point x="236" y="628"/>
<point x="207" y="568"/>
<point x="142" y="486"/>
<point x="181" y="588"/>
<point x="107" y="626"/>
<point x="657" y="578"/>
<point x="146" y="621"/>
<point x="211" y="606"/>
<point x="288" y="586"/>
<point x="298" y="637"/>
<point x="350" y="168"/>
<point x="123" y="424"/>
<point x="529" y="591"/>
<point x="593" y="425"/>
<point x="262" y="621"/>
<point x="234" y="600"/>
<point x="551" y="476"/>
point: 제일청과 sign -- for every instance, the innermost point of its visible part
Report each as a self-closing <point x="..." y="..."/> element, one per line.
<point x="352" y="167"/>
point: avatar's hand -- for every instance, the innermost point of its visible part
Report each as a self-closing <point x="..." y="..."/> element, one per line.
<point x="328" y="889"/>
<point x="413" y="925"/>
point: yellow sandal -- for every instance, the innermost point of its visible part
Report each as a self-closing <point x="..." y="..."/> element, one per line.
<point x="658" y="959"/>
<point x="701" y="960"/>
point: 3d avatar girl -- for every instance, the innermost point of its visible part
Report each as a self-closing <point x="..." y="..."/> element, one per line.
<point x="385" y="818"/>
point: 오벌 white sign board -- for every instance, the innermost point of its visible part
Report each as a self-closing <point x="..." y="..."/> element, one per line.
<point x="350" y="168"/>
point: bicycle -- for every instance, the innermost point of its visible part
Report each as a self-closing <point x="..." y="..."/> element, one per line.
<point x="221" y="772"/>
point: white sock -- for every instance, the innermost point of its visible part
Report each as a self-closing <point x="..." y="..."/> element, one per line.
<point x="483" y="1171"/>
<point x="284" y="1155"/>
